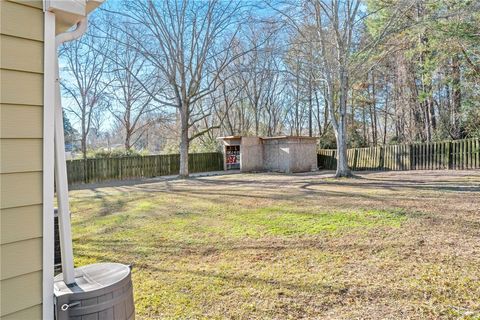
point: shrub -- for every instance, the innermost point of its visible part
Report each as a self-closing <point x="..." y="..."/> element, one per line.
<point x="115" y="153"/>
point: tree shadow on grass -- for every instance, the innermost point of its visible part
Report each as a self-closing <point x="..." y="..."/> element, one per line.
<point x="395" y="186"/>
<point x="175" y="248"/>
<point x="109" y="206"/>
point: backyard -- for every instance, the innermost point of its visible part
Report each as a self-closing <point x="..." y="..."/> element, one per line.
<point x="383" y="245"/>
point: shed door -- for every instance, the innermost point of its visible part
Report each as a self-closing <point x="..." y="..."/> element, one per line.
<point x="232" y="157"/>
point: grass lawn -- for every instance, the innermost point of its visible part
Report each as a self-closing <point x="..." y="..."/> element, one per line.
<point x="395" y="245"/>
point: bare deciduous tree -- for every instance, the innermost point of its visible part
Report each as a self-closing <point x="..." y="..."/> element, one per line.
<point x="83" y="81"/>
<point x="336" y="25"/>
<point x="133" y="85"/>
<point x="188" y="42"/>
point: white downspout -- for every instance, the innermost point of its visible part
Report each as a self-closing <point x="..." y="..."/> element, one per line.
<point x="48" y="163"/>
<point x="61" y="181"/>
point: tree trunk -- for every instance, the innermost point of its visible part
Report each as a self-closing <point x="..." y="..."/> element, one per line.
<point x="83" y="142"/>
<point x="341" y="132"/>
<point x="342" y="160"/>
<point x="128" y="136"/>
<point x="257" y="124"/>
<point x="184" y="143"/>
<point x="373" y="112"/>
<point x="433" y="119"/>
<point x="325" y="112"/>
<point x="84" y="155"/>
<point x="84" y="147"/>
<point x="364" y="125"/>
<point x="310" y="107"/>
<point x="385" y="120"/>
<point x="456" y="98"/>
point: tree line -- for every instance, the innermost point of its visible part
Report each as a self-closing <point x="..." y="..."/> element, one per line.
<point x="177" y="74"/>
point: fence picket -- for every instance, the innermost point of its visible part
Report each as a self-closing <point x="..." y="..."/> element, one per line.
<point x="103" y="169"/>
<point x="455" y="155"/>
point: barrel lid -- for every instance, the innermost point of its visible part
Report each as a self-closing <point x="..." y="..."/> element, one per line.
<point x="92" y="277"/>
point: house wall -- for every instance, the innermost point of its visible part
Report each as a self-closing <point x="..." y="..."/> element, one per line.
<point x="21" y="141"/>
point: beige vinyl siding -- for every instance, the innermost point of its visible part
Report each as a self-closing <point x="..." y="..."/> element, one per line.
<point x="14" y="261"/>
<point x="20" y="293"/>
<point x="21" y="21"/>
<point x="10" y="232"/>
<point x="31" y="118"/>
<point x="31" y="3"/>
<point x="18" y="54"/>
<point x="20" y="189"/>
<point x="21" y="148"/>
<point x="32" y="313"/>
<point x="14" y="84"/>
<point x="21" y="155"/>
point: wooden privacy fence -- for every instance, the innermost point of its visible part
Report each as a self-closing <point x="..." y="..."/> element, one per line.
<point x="122" y="168"/>
<point x="456" y="155"/>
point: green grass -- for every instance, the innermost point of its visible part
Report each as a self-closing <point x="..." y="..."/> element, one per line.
<point x="281" y="221"/>
<point x="252" y="253"/>
<point x="159" y="232"/>
<point x="144" y="220"/>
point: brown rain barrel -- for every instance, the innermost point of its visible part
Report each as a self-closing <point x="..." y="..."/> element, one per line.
<point x="102" y="291"/>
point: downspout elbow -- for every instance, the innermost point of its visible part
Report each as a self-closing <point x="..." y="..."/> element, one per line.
<point x="72" y="35"/>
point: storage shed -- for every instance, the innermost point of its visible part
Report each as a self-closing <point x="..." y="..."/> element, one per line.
<point x="280" y="154"/>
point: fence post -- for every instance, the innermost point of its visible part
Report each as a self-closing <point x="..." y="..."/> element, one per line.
<point x="450" y="148"/>
<point x="477" y="153"/>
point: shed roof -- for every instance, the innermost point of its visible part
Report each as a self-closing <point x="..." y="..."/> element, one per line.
<point x="268" y="138"/>
<point x="289" y="137"/>
<point x="229" y="137"/>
